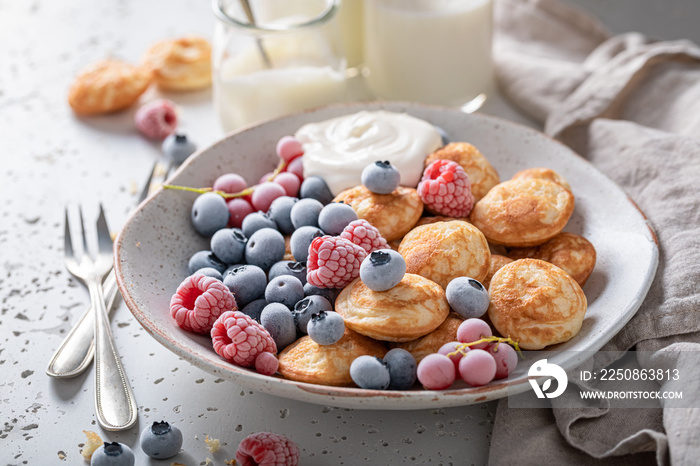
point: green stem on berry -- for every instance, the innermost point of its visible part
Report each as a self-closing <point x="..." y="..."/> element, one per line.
<point x="246" y="192"/>
<point x="462" y="347"/>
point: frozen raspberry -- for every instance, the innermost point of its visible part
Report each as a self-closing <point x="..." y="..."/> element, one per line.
<point x="445" y="189"/>
<point x="239" y="339"/>
<point x="266" y="363"/>
<point x="333" y="262"/>
<point x="199" y="301"/>
<point x="157" y="119"/>
<point x="267" y="449"/>
<point x="364" y="234"/>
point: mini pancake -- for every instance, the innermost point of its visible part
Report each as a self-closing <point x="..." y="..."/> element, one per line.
<point x="392" y="214"/>
<point x="107" y="86"/>
<point x="411" y="309"/>
<point x="180" y="64"/>
<point x="536" y="303"/>
<point x="523" y="212"/>
<point x="443" y="251"/>
<point x="431" y="343"/>
<point x="497" y="261"/>
<point x="307" y="361"/>
<point x="572" y="253"/>
<point x="438" y="218"/>
<point x="482" y="176"/>
<point x="543" y="174"/>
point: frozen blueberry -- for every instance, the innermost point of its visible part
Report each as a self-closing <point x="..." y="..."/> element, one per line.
<point x="307" y="307"/>
<point x="284" y="289"/>
<point x="295" y="269"/>
<point x="279" y="321"/>
<point x="335" y="217"/>
<point x="301" y="240"/>
<point x="209" y="214"/>
<point x="402" y="369"/>
<point x="228" y="244"/>
<point x="329" y="293"/>
<point x="381" y="177"/>
<point x="204" y="259"/>
<point x="211" y="272"/>
<point x="254" y="308"/>
<point x="467" y="297"/>
<point x="382" y="269"/>
<point x="264" y="248"/>
<point x="315" y="187"/>
<point x="161" y="440"/>
<point x="231" y="267"/>
<point x="257" y="221"/>
<point x="247" y="283"/>
<point x="326" y="328"/>
<point x="305" y="213"/>
<point x="443" y="135"/>
<point x="113" y="454"/>
<point x="370" y="372"/>
<point x="280" y="211"/>
<point x="177" y="148"/>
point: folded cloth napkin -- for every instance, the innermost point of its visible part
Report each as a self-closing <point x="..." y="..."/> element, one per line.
<point x="631" y="106"/>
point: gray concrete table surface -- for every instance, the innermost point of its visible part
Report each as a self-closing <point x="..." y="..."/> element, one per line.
<point x="51" y="159"/>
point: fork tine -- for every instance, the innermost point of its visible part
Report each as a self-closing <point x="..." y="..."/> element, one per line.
<point x="68" y="243"/>
<point x="104" y="239"/>
<point x="147" y="187"/>
<point x="86" y="252"/>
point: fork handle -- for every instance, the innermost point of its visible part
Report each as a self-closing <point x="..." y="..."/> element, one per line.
<point x="75" y="353"/>
<point x="115" y="405"/>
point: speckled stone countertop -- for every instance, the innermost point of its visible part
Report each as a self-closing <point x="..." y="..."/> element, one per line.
<point x="51" y="159"/>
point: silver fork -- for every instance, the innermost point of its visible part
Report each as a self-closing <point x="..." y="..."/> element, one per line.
<point x="115" y="405"/>
<point x="76" y="351"/>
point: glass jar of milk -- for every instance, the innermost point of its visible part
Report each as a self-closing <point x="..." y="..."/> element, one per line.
<point x="288" y="58"/>
<point x="430" y="51"/>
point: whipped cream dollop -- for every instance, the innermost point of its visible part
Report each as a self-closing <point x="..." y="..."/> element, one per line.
<point x="339" y="149"/>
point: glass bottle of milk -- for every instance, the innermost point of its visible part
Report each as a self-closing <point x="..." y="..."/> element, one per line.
<point x="290" y="59"/>
<point x="430" y="51"/>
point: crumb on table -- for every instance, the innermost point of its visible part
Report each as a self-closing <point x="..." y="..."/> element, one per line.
<point x="213" y="444"/>
<point x="94" y="441"/>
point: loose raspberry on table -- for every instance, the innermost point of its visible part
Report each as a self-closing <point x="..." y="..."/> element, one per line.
<point x="239" y="339"/>
<point x="156" y="119"/>
<point x="199" y="301"/>
<point x="267" y="449"/>
<point x="333" y="262"/>
<point x="364" y="234"/>
<point x="445" y="189"/>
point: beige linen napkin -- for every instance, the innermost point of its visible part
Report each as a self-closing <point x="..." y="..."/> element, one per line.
<point x="631" y="106"/>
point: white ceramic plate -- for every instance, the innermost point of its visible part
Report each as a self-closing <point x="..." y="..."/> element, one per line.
<point x="153" y="249"/>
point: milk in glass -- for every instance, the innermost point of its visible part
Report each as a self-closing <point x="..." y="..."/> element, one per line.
<point x="431" y="51"/>
<point x="306" y="65"/>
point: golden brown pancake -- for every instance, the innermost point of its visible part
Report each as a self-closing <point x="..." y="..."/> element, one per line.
<point x="482" y="176"/>
<point x="180" y="64"/>
<point x="523" y="212"/>
<point x="438" y="218"/>
<point x="543" y="174"/>
<point x="570" y="252"/>
<point x="536" y="303"/>
<point x="392" y="214"/>
<point x="107" y="86"/>
<point x="431" y="343"/>
<point x="307" y="361"/>
<point x="443" y="251"/>
<point x="497" y="261"/>
<point x="411" y="309"/>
